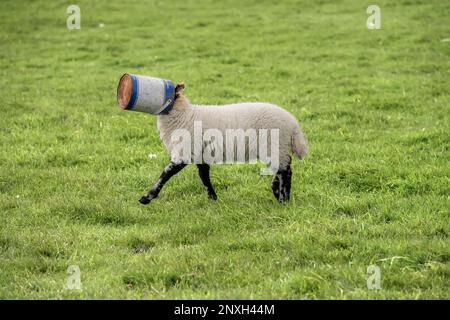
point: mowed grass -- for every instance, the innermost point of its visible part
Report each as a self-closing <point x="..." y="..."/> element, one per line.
<point x="374" y="190"/>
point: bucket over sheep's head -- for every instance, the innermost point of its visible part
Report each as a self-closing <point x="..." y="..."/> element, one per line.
<point x="145" y="94"/>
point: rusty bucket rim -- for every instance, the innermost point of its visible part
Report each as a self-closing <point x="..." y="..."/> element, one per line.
<point x="124" y="100"/>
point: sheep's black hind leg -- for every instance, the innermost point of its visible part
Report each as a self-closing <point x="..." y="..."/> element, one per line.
<point x="286" y="184"/>
<point x="281" y="184"/>
<point x="276" y="185"/>
<point x="169" y="171"/>
<point x="203" y="170"/>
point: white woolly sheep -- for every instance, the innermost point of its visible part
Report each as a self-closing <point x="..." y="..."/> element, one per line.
<point x="242" y="116"/>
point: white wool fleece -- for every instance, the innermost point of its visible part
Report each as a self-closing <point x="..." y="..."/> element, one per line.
<point x="235" y="116"/>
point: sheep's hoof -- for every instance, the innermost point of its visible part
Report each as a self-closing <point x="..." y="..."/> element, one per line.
<point x="212" y="196"/>
<point x="283" y="199"/>
<point x="145" y="200"/>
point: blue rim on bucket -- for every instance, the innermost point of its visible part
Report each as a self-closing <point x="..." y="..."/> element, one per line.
<point x="169" y="96"/>
<point x="133" y="93"/>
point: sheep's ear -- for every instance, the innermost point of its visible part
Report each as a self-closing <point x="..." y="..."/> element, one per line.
<point x="179" y="88"/>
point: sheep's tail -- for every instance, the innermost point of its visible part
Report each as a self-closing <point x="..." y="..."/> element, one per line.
<point x="299" y="143"/>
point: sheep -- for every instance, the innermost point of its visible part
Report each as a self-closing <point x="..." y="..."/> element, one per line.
<point x="256" y="116"/>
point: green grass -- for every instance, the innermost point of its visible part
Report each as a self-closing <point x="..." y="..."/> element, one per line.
<point x="374" y="104"/>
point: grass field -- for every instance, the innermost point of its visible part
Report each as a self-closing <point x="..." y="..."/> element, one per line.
<point x="374" y="190"/>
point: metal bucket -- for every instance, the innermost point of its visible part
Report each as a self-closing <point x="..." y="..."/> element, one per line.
<point x="145" y="94"/>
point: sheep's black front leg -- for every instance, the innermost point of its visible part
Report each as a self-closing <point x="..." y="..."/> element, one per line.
<point x="281" y="184"/>
<point x="169" y="171"/>
<point x="203" y="170"/>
